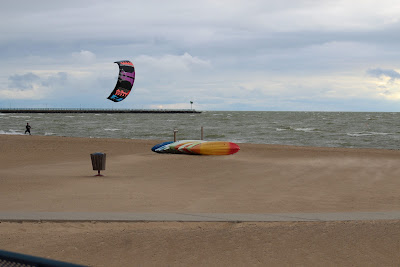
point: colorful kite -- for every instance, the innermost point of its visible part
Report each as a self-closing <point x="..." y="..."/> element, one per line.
<point x="197" y="147"/>
<point x="125" y="81"/>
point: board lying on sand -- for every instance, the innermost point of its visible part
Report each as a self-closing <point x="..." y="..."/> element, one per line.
<point x="197" y="147"/>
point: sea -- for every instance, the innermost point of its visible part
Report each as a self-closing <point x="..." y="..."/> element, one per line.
<point x="318" y="129"/>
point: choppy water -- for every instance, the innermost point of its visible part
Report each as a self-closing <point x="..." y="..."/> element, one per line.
<point x="325" y="129"/>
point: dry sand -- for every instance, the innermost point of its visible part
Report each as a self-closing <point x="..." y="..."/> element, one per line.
<point x="40" y="173"/>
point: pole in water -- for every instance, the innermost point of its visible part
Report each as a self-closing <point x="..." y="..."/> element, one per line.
<point x="202" y="133"/>
<point x="175" y="131"/>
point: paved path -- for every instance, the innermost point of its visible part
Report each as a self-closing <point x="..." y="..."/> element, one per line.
<point x="196" y="217"/>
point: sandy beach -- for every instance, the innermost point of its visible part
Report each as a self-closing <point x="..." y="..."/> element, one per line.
<point x="54" y="174"/>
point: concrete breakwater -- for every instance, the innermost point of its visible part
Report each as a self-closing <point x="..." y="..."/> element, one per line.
<point x="94" y="110"/>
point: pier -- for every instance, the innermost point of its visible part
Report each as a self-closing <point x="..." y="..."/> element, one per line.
<point x="93" y="110"/>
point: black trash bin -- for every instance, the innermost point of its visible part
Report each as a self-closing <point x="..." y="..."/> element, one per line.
<point x="98" y="162"/>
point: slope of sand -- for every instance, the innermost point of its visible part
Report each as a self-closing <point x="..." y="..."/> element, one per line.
<point x="209" y="244"/>
<point x="40" y="173"/>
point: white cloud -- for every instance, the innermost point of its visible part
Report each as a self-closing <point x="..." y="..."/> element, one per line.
<point x="387" y="82"/>
<point x="172" y="63"/>
<point x="35" y="93"/>
<point x="84" y="56"/>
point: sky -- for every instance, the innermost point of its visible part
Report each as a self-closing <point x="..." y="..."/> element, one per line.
<point x="259" y="55"/>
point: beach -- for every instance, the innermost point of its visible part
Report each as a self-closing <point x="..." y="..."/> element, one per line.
<point x="54" y="174"/>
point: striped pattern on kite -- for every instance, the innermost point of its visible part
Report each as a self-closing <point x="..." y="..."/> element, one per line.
<point x="197" y="147"/>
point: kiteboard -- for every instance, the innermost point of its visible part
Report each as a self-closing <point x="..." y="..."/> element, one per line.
<point x="197" y="147"/>
<point x="125" y="81"/>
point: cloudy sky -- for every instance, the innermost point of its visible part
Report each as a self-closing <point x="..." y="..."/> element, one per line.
<point x="314" y="55"/>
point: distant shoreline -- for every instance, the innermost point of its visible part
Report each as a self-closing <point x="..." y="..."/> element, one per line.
<point x="83" y="110"/>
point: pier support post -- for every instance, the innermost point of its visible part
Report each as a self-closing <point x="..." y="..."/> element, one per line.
<point x="175" y="131"/>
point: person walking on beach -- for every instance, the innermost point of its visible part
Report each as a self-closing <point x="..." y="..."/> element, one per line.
<point x="28" y="128"/>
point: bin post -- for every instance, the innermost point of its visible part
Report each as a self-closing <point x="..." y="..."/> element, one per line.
<point x="98" y="162"/>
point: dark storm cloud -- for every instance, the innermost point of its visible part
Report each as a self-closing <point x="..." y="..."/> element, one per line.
<point x="378" y="72"/>
<point x="56" y="79"/>
<point x="28" y="80"/>
<point x="23" y="81"/>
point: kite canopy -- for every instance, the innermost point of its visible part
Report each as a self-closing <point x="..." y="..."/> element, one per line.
<point x="197" y="147"/>
<point x="125" y="81"/>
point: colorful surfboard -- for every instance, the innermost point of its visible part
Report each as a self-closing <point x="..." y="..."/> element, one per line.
<point x="197" y="147"/>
